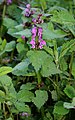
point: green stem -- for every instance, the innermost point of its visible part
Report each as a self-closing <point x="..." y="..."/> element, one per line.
<point x="52" y="82"/>
<point x="4" y="110"/>
<point x="0" y="106"/>
<point x="70" y="65"/>
<point x="3" y="15"/>
<point x="70" y="4"/>
<point x="42" y="112"/>
<point x="38" y="78"/>
<point x="12" y="54"/>
<point x="60" y="93"/>
<point x="17" y="117"/>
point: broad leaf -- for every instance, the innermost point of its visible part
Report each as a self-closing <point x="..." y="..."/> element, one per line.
<point x="66" y="47"/>
<point x="59" y="109"/>
<point x="48" y="34"/>
<point x="68" y="105"/>
<point x="63" y="17"/>
<point x="25" y="96"/>
<point x="63" y="64"/>
<point x="10" y="46"/>
<point x="43" y="4"/>
<point x="28" y="86"/>
<point x="49" y="68"/>
<point x="9" y="22"/>
<point x="21" y="107"/>
<point x="26" y="33"/>
<point x="4" y="70"/>
<point x="23" y="69"/>
<point x="37" y="58"/>
<point x="5" y="80"/>
<point x="69" y="91"/>
<point x="40" y="99"/>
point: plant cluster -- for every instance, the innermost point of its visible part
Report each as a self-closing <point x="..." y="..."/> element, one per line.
<point x="37" y="60"/>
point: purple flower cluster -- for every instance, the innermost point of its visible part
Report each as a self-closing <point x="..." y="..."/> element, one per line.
<point x="24" y="114"/>
<point x="9" y="2"/>
<point x="37" y="31"/>
<point x="28" y="11"/>
<point x="37" y="20"/>
<point x="37" y="42"/>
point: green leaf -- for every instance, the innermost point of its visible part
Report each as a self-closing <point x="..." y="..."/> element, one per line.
<point x="54" y="95"/>
<point x="7" y="85"/>
<point x="2" y="96"/>
<point x="21" y="107"/>
<point x="69" y="91"/>
<point x="5" y="80"/>
<point x="49" y="68"/>
<point x="26" y="33"/>
<point x="28" y="86"/>
<point x="59" y="109"/>
<point x="40" y="99"/>
<point x="4" y="70"/>
<point x="9" y="22"/>
<point x="9" y="118"/>
<point x="4" y="42"/>
<point x="66" y="47"/>
<point x="10" y="46"/>
<point x="49" y="50"/>
<point x="16" y="12"/>
<point x="72" y="29"/>
<point x="20" y="47"/>
<point x="68" y="105"/>
<point x="25" y="96"/>
<point x="63" y="17"/>
<point x="2" y="46"/>
<point x="19" y="27"/>
<point x="23" y="69"/>
<point x="43" y="4"/>
<point x="11" y="32"/>
<point x="37" y="58"/>
<point x="63" y="64"/>
<point x="49" y="34"/>
<point x="73" y="68"/>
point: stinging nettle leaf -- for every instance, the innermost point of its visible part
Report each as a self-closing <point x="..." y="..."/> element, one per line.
<point x="49" y="68"/>
<point x="25" y="96"/>
<point x="59" y="108"/>
<point x="26" y="33"/>
<point x="28" y="86"/>
<point x="23" y="69"/>
<point x="69" y="91"/>
<point x="40" y="99"/>
<point x="37" y="58"/>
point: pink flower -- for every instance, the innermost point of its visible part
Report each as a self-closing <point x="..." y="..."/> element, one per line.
<point x="28" y="6"/>
<point x="23" y="37"/>
<point x="34" y="20"/>
<point x="32" y="42"/>
<point x="34" y="31"/>
<point x="37" y="32"/>
<point x="9" y="2"/>
<point x="40" y="30"/>
<point x="27" y="12"/>
<point x="42" y="43"/>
